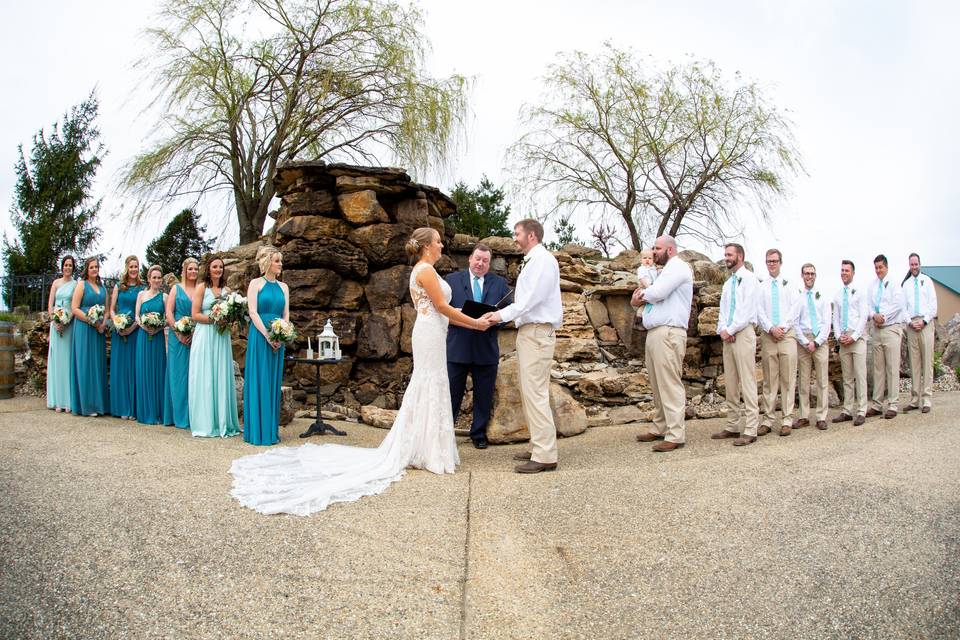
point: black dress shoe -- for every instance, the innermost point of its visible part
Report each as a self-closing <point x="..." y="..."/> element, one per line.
<point x="480" y="444"/>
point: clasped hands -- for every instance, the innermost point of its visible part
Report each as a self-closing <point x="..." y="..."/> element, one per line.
<point x="487" y="320"/>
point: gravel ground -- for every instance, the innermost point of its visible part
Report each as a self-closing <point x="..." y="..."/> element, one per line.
<point x="113" y="530"/>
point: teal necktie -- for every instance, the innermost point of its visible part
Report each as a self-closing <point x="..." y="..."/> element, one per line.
<point x="879" y="295"/>
<point x="812" y="310"/>
<point x="733" y="298"/>
<point x="846" y="308"/>
<point x="775" y="303"/>
<point x="916" y="296"/>
<point x="477" y="294"/>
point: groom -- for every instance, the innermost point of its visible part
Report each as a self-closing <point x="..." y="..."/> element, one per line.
<point x="538" y="313"/>
<point x="474" y="352"/>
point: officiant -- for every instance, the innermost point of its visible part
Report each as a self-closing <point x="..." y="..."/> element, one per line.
<point x="475" y="353"/>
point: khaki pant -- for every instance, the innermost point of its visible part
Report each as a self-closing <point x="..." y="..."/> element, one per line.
<point x="920" y="345"/>
<point x="885" y="342"/>
<point x="853" y="364"/>
<point x="535" y="344"/>
<point x="818" y="362"/>
<point x="740" y="378"/>
<point x="779" y="363"/>
<point x="666" y="347"/>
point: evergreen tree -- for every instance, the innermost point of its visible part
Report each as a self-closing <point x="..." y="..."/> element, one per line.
<point x="565" y="231"/>
<point x="182" y="238"/>
<point x="480" y="211"/>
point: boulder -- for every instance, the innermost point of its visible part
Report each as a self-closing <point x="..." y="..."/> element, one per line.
<point x="707" y="321"/>
<point x="311" y="288"/>
<point x="689" y="256"/>
<point x="507" y="423"/>
<point x="621" y="315"/>
<point x="436" y="222"/>
<point x="597" y="312"/>
<point x="502" y="246"/>
<point x="408" y="316"/>
<point x="348" y="296"/>
<point x="288" y="407"/>
<point x="626" y="260"/>
<point x="388" y="288"/>
<point x="308" y="203"/>
<point x="386" y="376"/>
<point x="625" y="414"/>
<point x="339" y="255"/>
<point x="382" y="244"/>
<point x="709" y="272"/>
<point x="362" y="207"/>
<point x="575" y="250"/>
<point x="311" y="323"/>
<point x="312" y="228"/>
<point x="710" y="295"/>
<point x="568" y="349"/>
<point x="414" y="213"/>
<point x="379" y="337"/>
<point x="377" y="417"/>
<point x="607" y="333"/>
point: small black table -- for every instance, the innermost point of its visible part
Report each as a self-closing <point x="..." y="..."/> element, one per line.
<point x="319" y="427"/>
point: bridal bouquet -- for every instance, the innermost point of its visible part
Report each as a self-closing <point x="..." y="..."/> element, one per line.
<point x="151" y="320"/>
<point x="61" y="317"/>
<point x="120" y="322"/>
<point x="282" y="331"/>
<point x="229" y="309"/>
<point x="95" y="313"/>
<point x="184" y="325"/>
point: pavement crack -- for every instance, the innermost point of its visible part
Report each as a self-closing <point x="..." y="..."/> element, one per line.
<point x="466" y="561"/>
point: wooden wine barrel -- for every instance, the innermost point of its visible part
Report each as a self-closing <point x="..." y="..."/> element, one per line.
<point x="7" y="350"/>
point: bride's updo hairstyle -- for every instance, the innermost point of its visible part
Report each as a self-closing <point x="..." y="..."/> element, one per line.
<point x="418" y="241"/>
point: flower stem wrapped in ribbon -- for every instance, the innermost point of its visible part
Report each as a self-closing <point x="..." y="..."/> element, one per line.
<point x="151" y="320"/>
<point x="281" y="331"/>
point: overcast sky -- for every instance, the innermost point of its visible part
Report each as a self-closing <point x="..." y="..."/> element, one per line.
<point x="870" y="85"/>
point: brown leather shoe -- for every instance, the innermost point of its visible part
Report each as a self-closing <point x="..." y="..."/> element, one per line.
<point x="744" y="440"/>
<point x="524" y="455"/>
<point x="909" y="408"/>
<point x="890" y="414"/>
<point x="843" y="417"/>
<point x="664" y="446"/>
<point x="784" y="431"/>
<point x="648" y="437"/>
<point x="801" y="423"/>
<point x="724" y="434"/>
<point x="925" y="410"/>
<point x="764" y="430"/>
<point x="872" y="412"/>
<point x="535" y="467"/>
<point x="822" y="425"/>
<point x="859" y="420"/>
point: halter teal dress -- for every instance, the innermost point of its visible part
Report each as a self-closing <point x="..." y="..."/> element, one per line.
<point x="213" y="394"/>
<point x="123" y="359"/>
<point x="151" y="363"/>
<point x="176" y="410"/>
<point x="88" y="374"/>
<point x="263" y="372"/>
<point x="59" y="355"/>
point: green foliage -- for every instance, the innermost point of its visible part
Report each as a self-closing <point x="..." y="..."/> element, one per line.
<point x="938" y="368"/>
<point x="182" y="238"/>
<point x="565" y="231"/>
<point x="674" y="149"/>
<point x="53" y="214"/>
<point x="9" y="316"/>
<point x="480" y="211"/>
<point x="338" y="80"/>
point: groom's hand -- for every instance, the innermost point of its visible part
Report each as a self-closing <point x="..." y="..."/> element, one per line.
<point x="491" y="318"/>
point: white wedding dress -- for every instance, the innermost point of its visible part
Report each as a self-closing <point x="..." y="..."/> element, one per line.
<point x="303" y="480"/>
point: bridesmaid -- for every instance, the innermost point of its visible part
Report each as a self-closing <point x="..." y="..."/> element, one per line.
<point x="176" y="411"/>
<point x="123" y="345"/>
<point x="263" y="372"/>
<point x="151" y="353"/>
<point x="88" y="374"/>
<point x="213" y="394"/>
<point x="61" y="345"/>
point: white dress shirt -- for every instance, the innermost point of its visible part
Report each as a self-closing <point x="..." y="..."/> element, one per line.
<point x="745" y="309"/>
<point x="928" y="298"/>
<point x="537" y="296"/>
<point x="788" y="299"/>
<point x="671" y="295"/>
<point x="650" y="273"/>
<point x="821" y="307"/>
<point x="891" y="301"/>
<point x="857" y="313"/>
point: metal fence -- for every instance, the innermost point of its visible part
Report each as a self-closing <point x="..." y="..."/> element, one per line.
<point x="32" y="291"/>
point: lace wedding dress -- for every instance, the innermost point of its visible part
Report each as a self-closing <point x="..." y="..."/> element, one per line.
<point x="303" y="480"/>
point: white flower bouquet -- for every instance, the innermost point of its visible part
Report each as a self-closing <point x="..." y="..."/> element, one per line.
<point x="281" y="331"/>
<point x="152" y="320"/>
<point x="184" y="325"/>
<point x="229" y="309"/>
<point x="95" y="313"/>
<point x="61" y="317"/>
<point x="121" y="321"/>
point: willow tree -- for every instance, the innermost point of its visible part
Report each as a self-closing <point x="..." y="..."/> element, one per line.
<point x="244" y="85"/>
<point x="674" y="150"/>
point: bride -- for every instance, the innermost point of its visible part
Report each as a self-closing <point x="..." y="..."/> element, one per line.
<point x="303" y="480"/>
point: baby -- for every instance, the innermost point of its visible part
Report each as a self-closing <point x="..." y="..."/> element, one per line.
<point x="646" y="274"/>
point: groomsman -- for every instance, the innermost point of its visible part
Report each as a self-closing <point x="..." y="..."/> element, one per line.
<point x="849" y="325"/>
<point x="538" y="312"/>
<point x="921" y="309"/>
<point x="777" y="315"/>
<point x="737" y="328"/>
<point x="886" y="308"/>
<point x="666" y="316"/>
<point x="813" y="331"/>
<point x="474" y="353"/>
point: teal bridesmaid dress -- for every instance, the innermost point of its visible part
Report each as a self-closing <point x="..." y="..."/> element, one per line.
<point x="151" y="364"/>
<point x="88" y="374"/>
<point x="213" y="394"/>
<point x="263" y="373"/>
<point x="176" y="410"/>
<point x="123" y="359"/>
<point x="59" y="355"/>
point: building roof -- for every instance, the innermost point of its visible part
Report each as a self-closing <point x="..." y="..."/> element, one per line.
<point x="949" y="277"/>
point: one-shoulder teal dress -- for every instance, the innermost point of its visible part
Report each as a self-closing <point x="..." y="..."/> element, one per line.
<point x="60" y="353"/>
<point x="151" y="366"/>
<point x="88" y="375"/>
<point x="263" y="373"/>
<point x="176" y="410"/>
<point x="213" y="394"/>
<point x="123" y="359"/>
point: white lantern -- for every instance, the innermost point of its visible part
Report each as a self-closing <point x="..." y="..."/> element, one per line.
<point x="328" y="344"/>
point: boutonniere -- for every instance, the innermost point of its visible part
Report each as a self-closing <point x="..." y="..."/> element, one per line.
<point x="739" y="280"/>
<point x="817" y="296"/>
<point x="853" y="291"/>
<point x="921" y="282"/>
<point x="886" y="284"/>
<point x="784" y="282"/>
